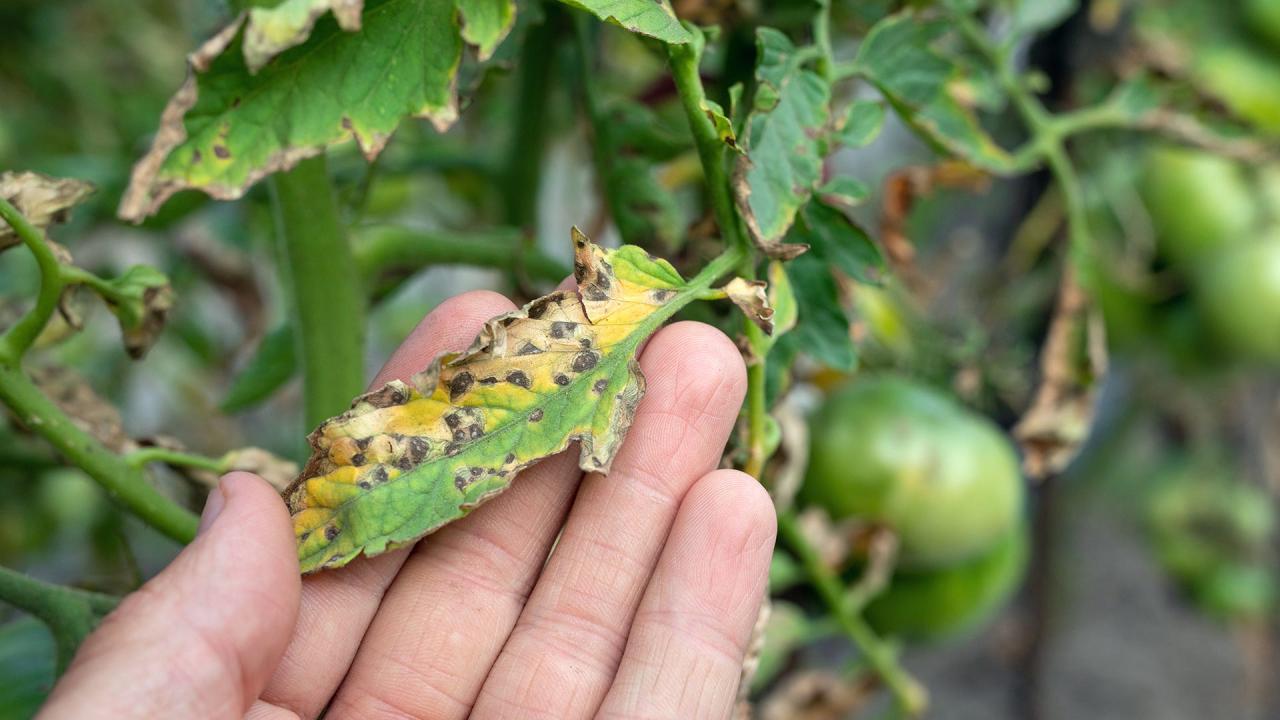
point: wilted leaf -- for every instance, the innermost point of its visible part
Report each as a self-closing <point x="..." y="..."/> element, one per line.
<point x="227" y="127"/>
<point x="817" y="695"/>
<point x="411" y="457"/>
<point x="275" y="470"/>
<point x="647" y="17"/>
<point x="784" y="143"/>
<point x="88" y="410"/>
<point x="273" y="364"/>
<point x="751" y="299"/>
<point x="722" y="124"/>
<point x="899" y="58"/>
<point x="140" y="299"/>
<point x="41" y="199"/>
<point x="1073" y="363"/>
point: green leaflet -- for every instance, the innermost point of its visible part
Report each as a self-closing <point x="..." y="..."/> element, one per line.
<point x="785" y="144"/>
<point x="411" y="457"/>
<point x="485" y="23"/>
<point x="862" y="123"/>
<point x="647" y="17"/>
<point x="897" y="56"/>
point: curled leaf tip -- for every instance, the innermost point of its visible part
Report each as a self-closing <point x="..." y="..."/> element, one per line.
<point x="41" y="199"/>
<point x="413" y="456"/>
<point x="750" y="297"/>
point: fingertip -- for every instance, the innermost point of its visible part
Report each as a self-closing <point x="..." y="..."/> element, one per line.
<point x="736" y="506"/>
<point x="706" y="366"/>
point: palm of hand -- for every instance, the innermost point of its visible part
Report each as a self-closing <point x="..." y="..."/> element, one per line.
<point x="644" y="608"/>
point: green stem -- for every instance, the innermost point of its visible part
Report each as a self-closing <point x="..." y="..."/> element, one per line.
<point x="822" y="39"/>
<point x="523" y="172"/>
<point x="328" y="306"/>
<point x="124" y="482"/>
<point x="19" y="338"/>
<point x="711" y="149"/>
<point x="880" y="657"/>
<point x="757" y="408"/>
<point x="70" y="614"/>
<point x="386" y="250"/>
<point x="141" y="457"/>
<point x="604" y="146"/>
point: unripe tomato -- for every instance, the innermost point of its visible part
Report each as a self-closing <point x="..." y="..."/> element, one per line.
<point x="1246" y="80"/>
<point x="1198" y="202"/>
<point x="892" y="451"/>
<point x="1239" y="296"/>
<point x="933" y="604"/>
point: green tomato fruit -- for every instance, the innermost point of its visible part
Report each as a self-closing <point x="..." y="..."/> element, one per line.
<point x="1238" y="294"/>
<point x="1246" y="80"/>
<point x="935" y="604"/>
<point x="1263" y="18"/>
<point x="1198" y="202"/>
<point x="892" y="451"/>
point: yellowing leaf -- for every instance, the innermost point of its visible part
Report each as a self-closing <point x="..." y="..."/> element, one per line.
<point x="410" y="457"/>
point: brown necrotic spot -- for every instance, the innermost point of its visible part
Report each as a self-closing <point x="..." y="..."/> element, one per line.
<point x="661" y="295"/>
<point x="388" y="396"/>
<point x="595" y="293"/>
<point x="365" y="484"/>
<point x="584" y="361"/>
<point x="511" y="457"/>
<point x="475" y="431"/>
<point x="460" y="384"/>
<point x="378" y="475"/>
<point x="419" y="447"/>
<point x="491" y="380"/>
<point x="452" y="419"/>
<point x="528" y="348"/>
<point x="519" y="378"/>
<point x="560" y="329"/>
<point x="538" y="307"/>
<point x="600" y="386"/>
<point x="357" y="459"/>
<point x="459" y="434"/>
<point x="221" y="151"/>
<point x="584" y="342"/>
<point x="561" y="379"/>
<point x="331" y="532"/>
<point x="536" y="415"/>
<point x="196" y="156"/>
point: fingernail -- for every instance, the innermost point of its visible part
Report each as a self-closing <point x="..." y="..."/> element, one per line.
<point x="212" y="508"/>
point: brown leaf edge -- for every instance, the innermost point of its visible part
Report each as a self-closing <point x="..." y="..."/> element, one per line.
<point x="774" y="249"/>
<point x="145" y="194"/>
<point x="750" y="297"/>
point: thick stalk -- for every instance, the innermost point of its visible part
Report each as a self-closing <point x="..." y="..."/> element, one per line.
<point x="70" y="614"/>
<point x="907" y="691"/>
<point x="328" y="307"/>
<point x="521" y="178"/>
<point x="122" y="481"/>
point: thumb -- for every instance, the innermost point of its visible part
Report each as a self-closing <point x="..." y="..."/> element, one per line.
<point x="202" y="638"/>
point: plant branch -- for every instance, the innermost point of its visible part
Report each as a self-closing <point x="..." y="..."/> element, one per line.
<point x="822" y="39"/>
<point x="69" y="613"/>
<point x="757" y="407"/>
<point x="911" y="696"/>
<point x="319" y="270"/>
<point x="141" y="457"/>
<point x="19" y="338"/>
<point x="523" y="168"/>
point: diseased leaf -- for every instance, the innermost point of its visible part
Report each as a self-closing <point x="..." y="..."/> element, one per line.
<point x="861" y="124"/>
<point x="227" y="127"/>
<point x="140" y="299"/>
<point x="898" y="57"/>
<point x="654" y="18"/>
<point x="485" y="23"/>
<point x="270" y="31"/>
<point x="411" y="457"/>
<point x="722" y="124"/>
<point x="782" y="298"/>
<point x="275" y="470"/>
<point x="753" y="301"/>
<point x="784" y="143"/>
<point x="43" y="200"/>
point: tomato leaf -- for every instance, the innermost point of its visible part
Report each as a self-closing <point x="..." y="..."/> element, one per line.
<point x="269" y="31"/>
<point x="899" y="58"/>
<point x="232" y="122"/>
<point x="823" y="330"/>
<point x="413" y="456"/>
<point x="838" y="240"/>
<point x="861" y="124"/>
<point x="784" y="140"/>
<point x="654" y="18"/>
<point x="41" y="199"/>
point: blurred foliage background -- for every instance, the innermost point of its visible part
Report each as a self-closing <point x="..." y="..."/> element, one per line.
<point x="1146" y="583"/>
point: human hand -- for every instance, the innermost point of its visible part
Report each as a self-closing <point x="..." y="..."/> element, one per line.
<point x="643" y="610"/>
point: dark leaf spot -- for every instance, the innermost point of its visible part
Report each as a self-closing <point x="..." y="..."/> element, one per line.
<point x="331" y="532"/>
<point x="475" y="431"/>
<point x="357" y="459"/>
<point x="221" y="151"/>
<point x="519" y="378"/>
<point x="538" y="307"/>
<point x="511" y="457"/>
<point x="561" y="379"/>
<point x="560" y="328"/>
<point x="528" y="349"/>
<point x="584" y="361"/>
<point x="600" y="386"/>
<point x="491" y="380"/>
<point x="536" y="415"/>
<point x="452" y="420"/>
<point x="459" y="385"/>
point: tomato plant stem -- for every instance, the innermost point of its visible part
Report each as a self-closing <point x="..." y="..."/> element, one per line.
<point x="320" y="271"/>
<point x="880" y="657"/>
<point x="141" y="457"/>
<point x="19" y="338"/>
<point x="523" y="170"/>
<point x="70" y="614"/>
<point x="124" y="482"/>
